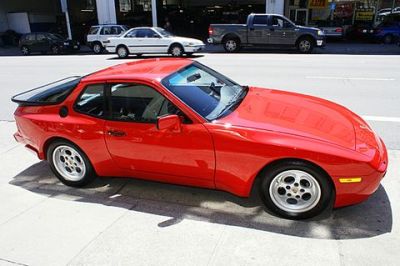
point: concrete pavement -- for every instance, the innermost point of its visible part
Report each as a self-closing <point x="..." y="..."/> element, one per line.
<point x="120" y="221"/>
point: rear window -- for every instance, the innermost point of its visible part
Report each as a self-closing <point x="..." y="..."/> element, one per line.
<point x="93" y="30"/>
<point x="52" y="93"/>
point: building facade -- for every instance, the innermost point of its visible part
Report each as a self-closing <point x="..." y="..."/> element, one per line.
<point x="184" y="17"/>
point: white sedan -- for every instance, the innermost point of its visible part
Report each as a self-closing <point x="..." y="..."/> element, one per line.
<point x="151" y="40"/>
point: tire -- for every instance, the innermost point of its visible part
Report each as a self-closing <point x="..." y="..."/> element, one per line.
<point x="122" y="51"/>
<point x="388" y="39"/>
<point x="176" y="50"/>
<point x="305" y="45"/>
<point x="296" y="190"/>
<point x="70" y="164"/>
<point x="231" y="44"/>
<point x="55" y="49"/>
<point x="97" y="48"/>
<point x="25" y="50"/>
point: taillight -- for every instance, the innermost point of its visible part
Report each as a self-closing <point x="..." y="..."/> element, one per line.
<point x="339" y="30"/>
<point x="210" y="30"/>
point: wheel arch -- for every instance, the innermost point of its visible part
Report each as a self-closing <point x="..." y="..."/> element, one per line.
<point x="257" y="179"/>
<point x="231" y="35"/>
<point x="176" y="43"/>
<point x="306" y="35"/>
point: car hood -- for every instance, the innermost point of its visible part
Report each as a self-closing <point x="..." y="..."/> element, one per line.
<point x="307" y="28"/>
<point x="295" y="114"/>
<point x="184" y="40"/>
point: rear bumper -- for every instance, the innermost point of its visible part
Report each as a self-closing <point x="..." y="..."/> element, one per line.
<point x="20" y="139"/>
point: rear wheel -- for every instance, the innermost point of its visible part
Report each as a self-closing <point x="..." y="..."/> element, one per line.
<point x="296" y="190"/>
<point x="231" y="44"/>
<point x="97" y="48"/>
<point x="70" y="164"/>
<point x="122" y="52"/>
<point x="305" y="45"/>
<point x="25" y="50"/>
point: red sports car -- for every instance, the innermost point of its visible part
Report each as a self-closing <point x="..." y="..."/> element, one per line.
<point x="178" y="121"/>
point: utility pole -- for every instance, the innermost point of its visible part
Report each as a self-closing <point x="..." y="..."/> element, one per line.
<point x="154" y="12"/>
<point x="64" y="9"/>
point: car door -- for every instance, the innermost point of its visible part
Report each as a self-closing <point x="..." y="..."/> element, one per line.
<point x="258" y="32"/>
<point x="42" y="42"/>
<point x="150" y="41"/>
<point x="137" y="146"/>
<point x="108" y="32"/>
<point x="282" y="31"/>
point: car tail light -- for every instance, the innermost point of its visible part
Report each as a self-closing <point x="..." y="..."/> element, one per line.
<point x="210" y="30"/>
<point x="339" y="30"/>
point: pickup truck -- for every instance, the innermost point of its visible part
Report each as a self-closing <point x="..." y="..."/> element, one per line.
<point x="266" y="30"/>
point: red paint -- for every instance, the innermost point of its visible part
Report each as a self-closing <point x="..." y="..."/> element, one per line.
<point x="227" y="154"/>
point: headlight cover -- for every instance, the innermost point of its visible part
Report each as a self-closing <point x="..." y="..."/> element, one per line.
<point x="320" y="33"/>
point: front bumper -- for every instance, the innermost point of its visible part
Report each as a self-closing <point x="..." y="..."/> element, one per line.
<point x="353" y="193"/>
<point x="321" y="42"/>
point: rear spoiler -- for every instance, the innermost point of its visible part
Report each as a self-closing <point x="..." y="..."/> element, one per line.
<point x="48" y="94"/>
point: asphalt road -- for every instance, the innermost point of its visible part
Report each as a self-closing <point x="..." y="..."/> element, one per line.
<point x="117" y="221"/>
<point x="367" y="84"/>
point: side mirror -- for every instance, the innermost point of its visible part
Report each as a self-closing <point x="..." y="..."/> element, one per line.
<point x="169" y="122"/>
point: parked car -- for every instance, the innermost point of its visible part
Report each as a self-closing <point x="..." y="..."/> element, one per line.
<point x="265" y="30"/>
<point x="388" y="30"/>
<point x="100" y="33"/>
<point x="152" y="40"/>
<point x="44" y="42"/>
<point x="178" y="121"/>
<point x="331" y="29"/>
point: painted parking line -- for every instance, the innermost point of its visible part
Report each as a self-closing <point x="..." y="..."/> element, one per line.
<point x="381" y="118"/>
<point x="350" y="78"/>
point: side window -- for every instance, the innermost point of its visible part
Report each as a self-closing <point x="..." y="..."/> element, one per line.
<point x="93" y="30"/>
<point x="260" y="20"/>
<point x="131" y="34"/>
<point x="138" y="103"/>
<point x="146" y="33"/>
<point x="116" y="30"/>
<point x="106" y="31"/>
<point x="280" y="22"/>
<point x="40" y="37"/>
<point x="30" y="37"/>
<point x="92" y="101"/>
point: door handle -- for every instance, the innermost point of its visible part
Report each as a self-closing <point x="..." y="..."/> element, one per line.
<point x="116" y="133"/>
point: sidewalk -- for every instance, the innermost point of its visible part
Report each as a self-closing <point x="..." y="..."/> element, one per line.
<point x="130" y="222"/>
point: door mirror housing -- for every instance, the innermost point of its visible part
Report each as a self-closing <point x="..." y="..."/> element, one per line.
<point x="169" y="122"/>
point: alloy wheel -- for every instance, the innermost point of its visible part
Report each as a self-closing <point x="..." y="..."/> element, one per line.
<point x="231" y="45"/>
<point x="305" y="45"/>
<point x="69" y="163"/>
<point x="295" y="191"/>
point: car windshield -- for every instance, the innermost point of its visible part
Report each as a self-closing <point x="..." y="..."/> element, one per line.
<point x="205" y="91"/>
<point x="164" y="33"/>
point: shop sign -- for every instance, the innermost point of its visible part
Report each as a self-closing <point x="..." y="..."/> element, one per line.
<point x="317" y="4"/>
<point x="365" y="14"/>
<point x="125" y="5"/>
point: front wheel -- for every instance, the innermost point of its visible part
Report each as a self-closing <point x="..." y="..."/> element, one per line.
<point x="388" y="39"/>
<point x="296" y="190"/>
<point x="97" y="48"/>
<point x="305" y="45"/>
<point x="55" y="49"/>
<point x="70" y="164"/>
<point x="176" y="50"/>
<point x="25" y="50"/>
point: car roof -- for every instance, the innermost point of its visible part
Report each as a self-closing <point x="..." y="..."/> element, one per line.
<point x="147" y="69"/>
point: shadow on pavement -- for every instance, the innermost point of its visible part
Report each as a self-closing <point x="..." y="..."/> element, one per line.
<point x="176" y="203"/>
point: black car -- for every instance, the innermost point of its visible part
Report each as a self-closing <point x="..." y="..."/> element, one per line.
<point x="44" y="42"/>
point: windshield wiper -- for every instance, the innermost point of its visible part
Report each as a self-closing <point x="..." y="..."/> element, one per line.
<point x="235" y="101"/>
